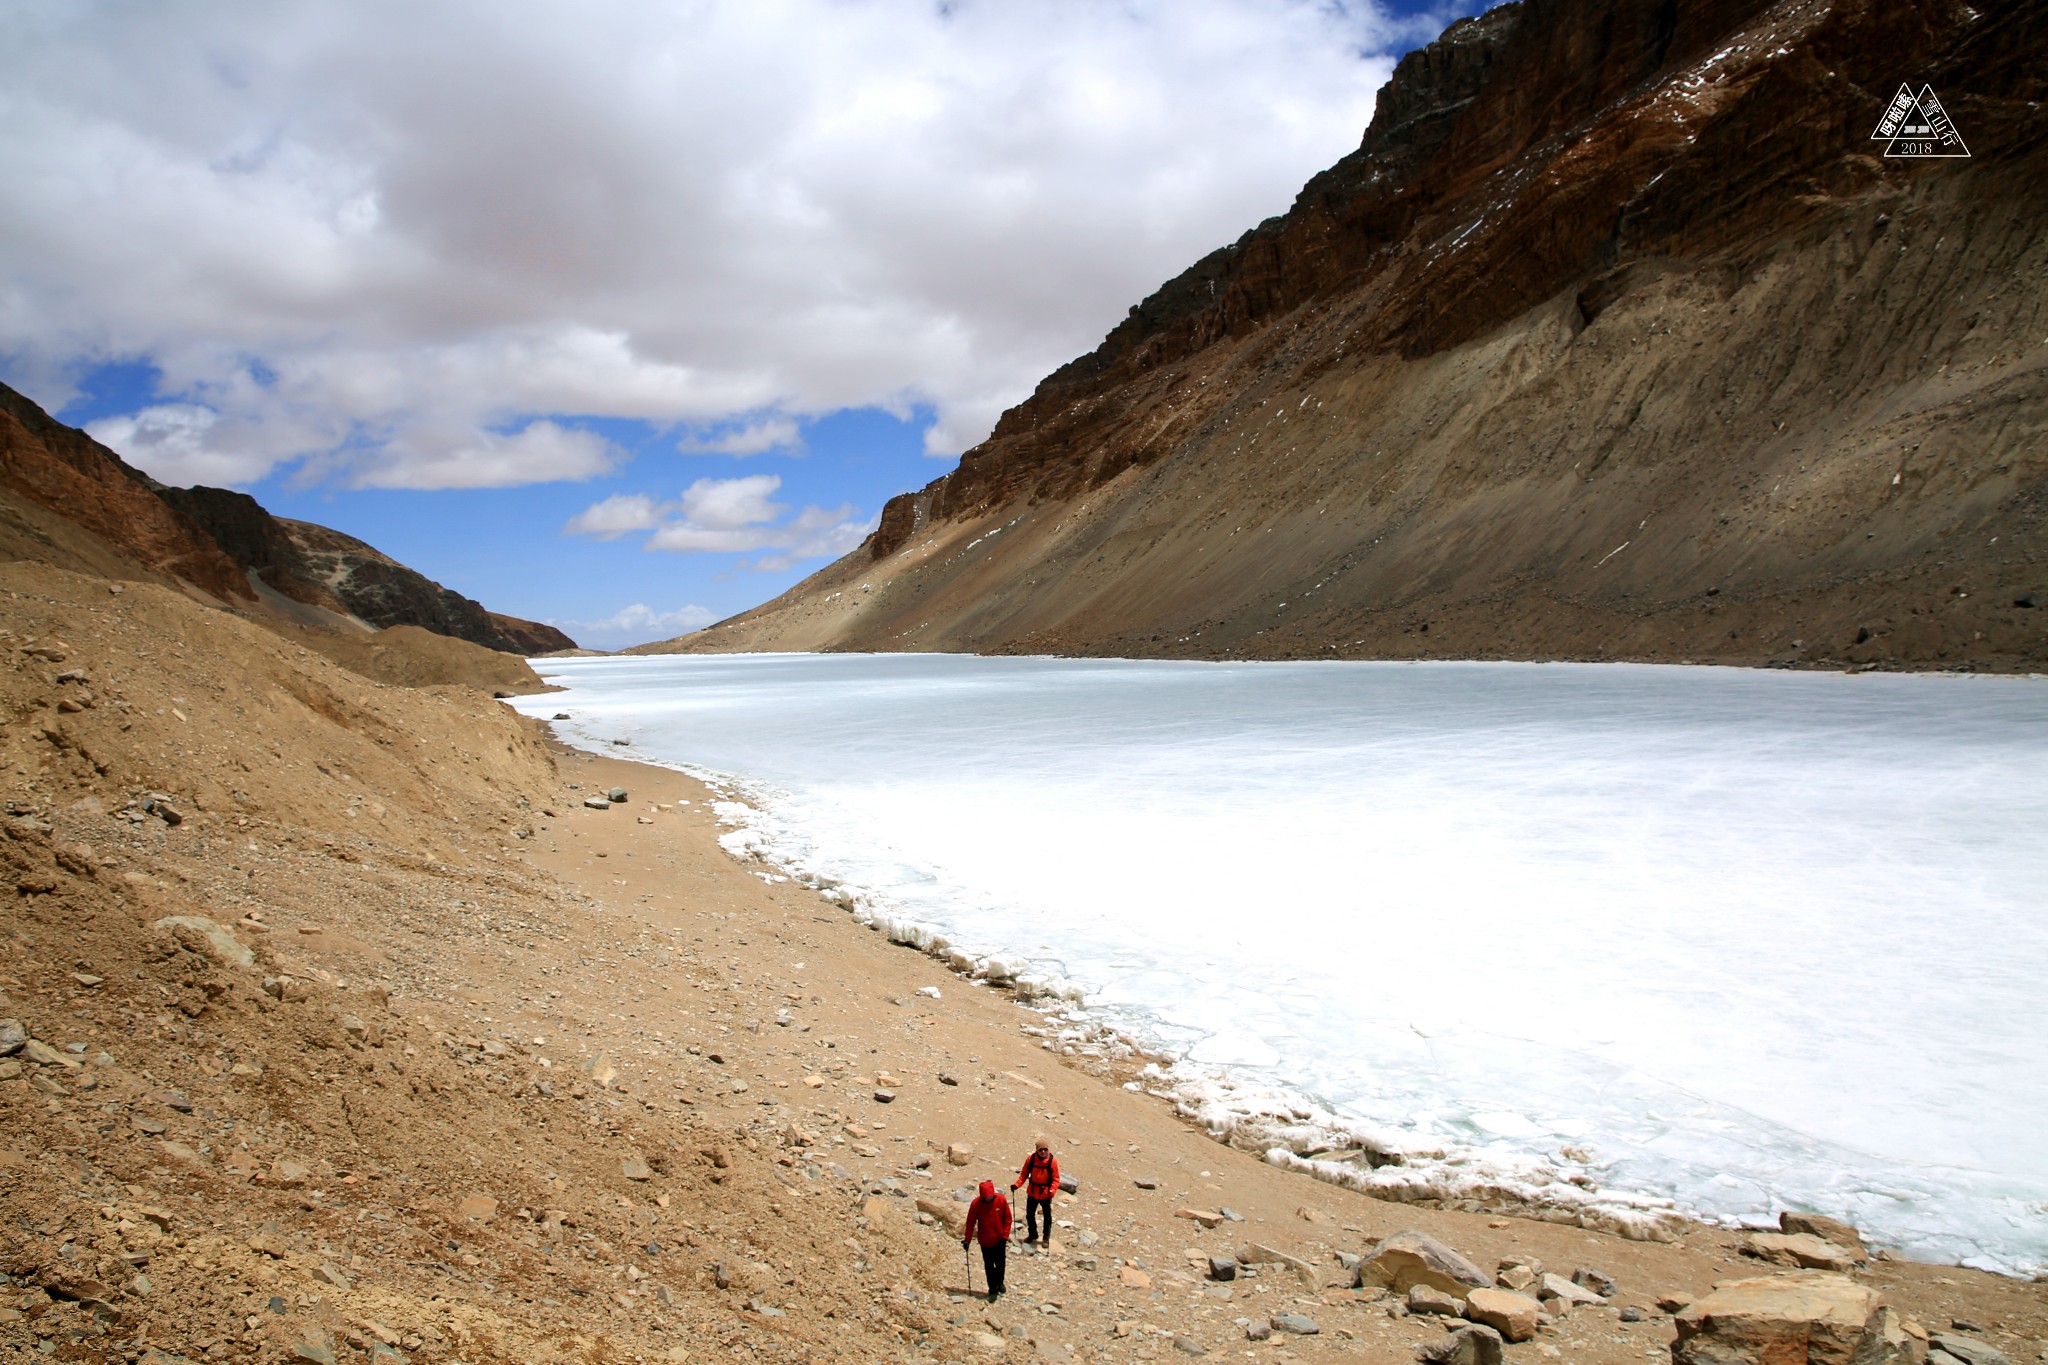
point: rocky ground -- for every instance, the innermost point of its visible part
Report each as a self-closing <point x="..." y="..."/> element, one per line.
<point x="349" y="1032"/>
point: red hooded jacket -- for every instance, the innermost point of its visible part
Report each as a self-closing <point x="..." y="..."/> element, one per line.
<point x="988" y="1217"/>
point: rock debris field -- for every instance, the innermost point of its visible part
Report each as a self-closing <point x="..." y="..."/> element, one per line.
<point x="337" y="1027"/>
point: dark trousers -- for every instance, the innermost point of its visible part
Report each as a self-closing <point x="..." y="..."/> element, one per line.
<point x="1032" y="1209"/>
<point x="992" y="1262"/>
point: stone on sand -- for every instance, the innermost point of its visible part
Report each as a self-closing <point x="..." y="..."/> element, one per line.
<point x="1406" y="1259"/>
<point x="1800" y="1250"/>
<point x="476" y="1208"/>
<point x="1558" y="1287"/>
<point x="1834" y="1230"/>
<point x="1967" y="1349"/>
<point x="1476" y="1345"/>
<point x="1817" y="1317"/>
<point x="212" y="939"/>
<point x="1424" y="1299"/>
<point x="1506" y="1312"/>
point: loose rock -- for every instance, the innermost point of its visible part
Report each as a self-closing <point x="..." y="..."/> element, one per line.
<point x="42" y="1054"/>
<point x="1816" y="1317"/>
<point x="1299" y="1324"/>
<point x="1466" y="1346"/>
<point x="1427" y="1299"/>
<point x="1800" y="1250"/>
<point x="1834" y="1230"/>
<point x="1558" y="1287"/>
<point x="1517" y="1277"/>
<point x="1968" y="1349"/>
<point x="1512" y="1315"/>
<point x="1599" y="1281"/>
<point x="213" y="939"/>
<point x="477" y="1208"/>
<point x="1406" y="1259"/>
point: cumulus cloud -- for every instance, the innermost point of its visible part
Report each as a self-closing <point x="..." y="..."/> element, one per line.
<point x="729" y="516"/>
<point x="615" y="516"/>
<point x="181" y="443"/>
<point x="637" y="624"/>
<point x="380" y="238"/>
<point x="753" y="438"/>
<point x="451" y="455"/>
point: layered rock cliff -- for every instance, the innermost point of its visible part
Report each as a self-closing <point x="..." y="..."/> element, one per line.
<point x="68" y="501"/>
<point x="1617" y="337"/>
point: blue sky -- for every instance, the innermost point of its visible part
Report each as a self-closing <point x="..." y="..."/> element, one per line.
<point x="626" y="318"/>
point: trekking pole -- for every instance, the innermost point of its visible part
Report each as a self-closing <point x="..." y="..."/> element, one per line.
<point x="968" y="1257"/>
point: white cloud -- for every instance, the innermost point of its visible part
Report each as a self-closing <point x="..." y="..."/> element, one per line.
<point x="754" y="438"/>
<point x="376" y="236"/>
<point x="453" y="456"/>
<point x="615" y="516"/>
<point x="637" y="624"/>
<point x="180" y="443"/>
<point x="729" y="516"/>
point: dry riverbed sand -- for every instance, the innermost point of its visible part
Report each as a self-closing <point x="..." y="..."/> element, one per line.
<point x="507" y="1078"/>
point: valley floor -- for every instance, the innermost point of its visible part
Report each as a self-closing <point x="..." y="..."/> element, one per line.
<point x="582" y="1088"/>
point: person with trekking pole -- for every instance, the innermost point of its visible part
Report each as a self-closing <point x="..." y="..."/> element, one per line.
<point x="988" y="1222"/>
<point x="1041" y="1174"/>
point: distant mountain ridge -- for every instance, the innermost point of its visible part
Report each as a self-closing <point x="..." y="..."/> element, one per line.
<point x="1618" y="337"/>
<point x="87" y="508"/>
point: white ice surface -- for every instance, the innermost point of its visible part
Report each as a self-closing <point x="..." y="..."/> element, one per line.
<point x="1742" y="940"/>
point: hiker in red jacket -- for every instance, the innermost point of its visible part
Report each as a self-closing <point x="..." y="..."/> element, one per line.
<point x="988" y="1222"/>
<point x="1041" y="1174"/>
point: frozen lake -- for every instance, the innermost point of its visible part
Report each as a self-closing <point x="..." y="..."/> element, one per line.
<point x="1739" y="940"/>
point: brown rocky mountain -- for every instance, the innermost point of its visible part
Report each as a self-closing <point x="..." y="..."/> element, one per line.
<point x="68" y="501"/>
<point x="1618" y="337"/>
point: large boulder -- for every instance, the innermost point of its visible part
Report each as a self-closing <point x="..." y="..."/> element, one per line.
<point x="1815" y="1318"/>
<point x="1410" y="1258"/>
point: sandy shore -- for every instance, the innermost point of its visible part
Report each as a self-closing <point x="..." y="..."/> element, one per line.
<point x="857" y="1018"/>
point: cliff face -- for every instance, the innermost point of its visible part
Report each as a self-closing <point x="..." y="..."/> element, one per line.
<point x="76" y="504"/>
<point x="65" y="472"/>
<point x="1617" y="337"/>
<point x="384" y="592"/>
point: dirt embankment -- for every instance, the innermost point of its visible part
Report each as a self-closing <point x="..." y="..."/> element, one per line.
<point x="447" y="1064"/>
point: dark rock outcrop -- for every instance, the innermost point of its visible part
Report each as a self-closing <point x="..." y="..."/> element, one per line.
<point x="383" y="592"/>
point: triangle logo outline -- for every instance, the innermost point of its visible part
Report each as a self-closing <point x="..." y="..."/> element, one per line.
<point x="1918" y="126"/>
